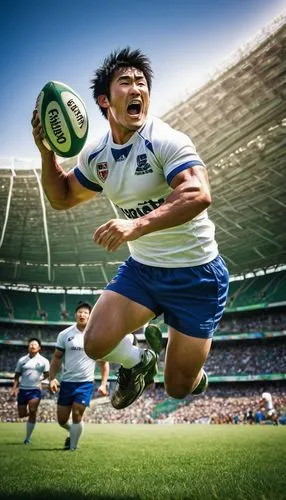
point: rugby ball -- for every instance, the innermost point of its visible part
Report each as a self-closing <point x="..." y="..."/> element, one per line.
<point x="63" y="117"/>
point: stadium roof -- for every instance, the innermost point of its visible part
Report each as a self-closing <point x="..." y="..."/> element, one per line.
<point x="237" y="121"/>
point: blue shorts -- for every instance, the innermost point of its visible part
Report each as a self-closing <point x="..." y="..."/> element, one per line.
<point x="191" y="298"/>
<point x="75" y="392"/>
<point x="25" y="395"/>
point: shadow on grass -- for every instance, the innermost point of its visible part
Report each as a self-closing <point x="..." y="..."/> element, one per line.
<point x="18" y="443"/>
<point x="51" y="495"/>
<point x="21" y="445"/>
<point x="34" y="450"/>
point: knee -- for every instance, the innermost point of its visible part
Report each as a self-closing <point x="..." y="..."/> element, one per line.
<point x="178" y="387"/>
<point x="177" y="391"/>
<point x="90" y="347"/>
<point x="76" y="417"/>
<point x="62" y="421"/>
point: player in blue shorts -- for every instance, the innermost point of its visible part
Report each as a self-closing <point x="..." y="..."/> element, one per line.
<point x="77" y="382"/>
<point x="30" y="370"/>
<point x="159" y="186"/>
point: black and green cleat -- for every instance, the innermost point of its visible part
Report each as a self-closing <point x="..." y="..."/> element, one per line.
<point x="67" y="443"/>
<point x="154" y="338"/>
<point x="131" y="382"/>
<point x="202" y="385"/>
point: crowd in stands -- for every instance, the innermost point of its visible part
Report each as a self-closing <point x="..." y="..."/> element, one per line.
<point x="24" y="332"/>
<point x="246" y="357"/>
<point x="262" y="321"/>
<point x="231" y="405"/>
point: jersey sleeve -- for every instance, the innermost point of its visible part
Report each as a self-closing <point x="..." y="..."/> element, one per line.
<point x="178" y="153"/>
<point x="46" y="365"/>
<point x="84" y="173"/>
<point x="18" y="368"/>
<point x="60" y="344"/>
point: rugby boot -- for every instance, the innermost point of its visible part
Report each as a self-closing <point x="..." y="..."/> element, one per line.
<point x="67" y="443"/>
<point x="154" y="338"/>
<point x="202" y="385"/>
<point x="131" y="382"/>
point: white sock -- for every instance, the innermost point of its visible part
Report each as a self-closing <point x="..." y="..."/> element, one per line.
<point x="29" y="429"/>
<point x="75" y="432"/>
<point x="125" y="353"/>
<point x="66" y="426"/>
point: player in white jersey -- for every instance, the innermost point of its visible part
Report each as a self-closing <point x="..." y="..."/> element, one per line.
<point x="30" y="370"/>
<point x="154" y="176"/>
<point x="77" y="381"/>
<point x="266" y="405"/>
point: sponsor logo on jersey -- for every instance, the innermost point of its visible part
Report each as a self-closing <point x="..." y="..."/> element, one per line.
<point x="70" y="338"/>
<point x="102" y="171"/>
<point x="142" y="208"/>
<point x="143" y="167"/>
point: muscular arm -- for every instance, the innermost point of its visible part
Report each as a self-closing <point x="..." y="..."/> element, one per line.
<point x="190" y="197"/>
<point x="104" y="367"/>
<point x="61" y="188"/>
<point x="55" y="367"/>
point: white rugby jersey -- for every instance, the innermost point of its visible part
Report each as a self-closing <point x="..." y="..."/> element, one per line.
<point x="268" y="400"/>
<point x="31" y="370"/>
<point x="136" y="177"/>
<point x="78" y="367"/>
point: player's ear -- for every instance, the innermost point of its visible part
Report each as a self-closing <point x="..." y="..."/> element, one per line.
<point x="103" y="101"/>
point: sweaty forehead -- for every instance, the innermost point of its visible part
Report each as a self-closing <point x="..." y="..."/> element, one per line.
<point x="129" y="71"/>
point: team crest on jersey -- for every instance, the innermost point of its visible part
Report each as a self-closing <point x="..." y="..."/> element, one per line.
<point x="102" y="171"/>
<point x="143" y="167"/>
<point x="70" y="338"/>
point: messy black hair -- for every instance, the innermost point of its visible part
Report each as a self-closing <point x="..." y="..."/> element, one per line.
<point x="85" y="305"/>
<point x="124" y="58"/>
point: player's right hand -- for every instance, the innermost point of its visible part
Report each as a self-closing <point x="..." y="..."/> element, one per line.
<point x="38" y="133"/>
<point x="53" y="385"/>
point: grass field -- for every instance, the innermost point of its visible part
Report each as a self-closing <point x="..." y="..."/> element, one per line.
<point x="145" y="462"/>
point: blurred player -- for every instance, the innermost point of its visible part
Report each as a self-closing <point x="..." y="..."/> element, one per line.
<point x="31" y="369"/>
<point x="159" y="184"/>
<point x="266" y="405"/>
<point x="77" y="383"/>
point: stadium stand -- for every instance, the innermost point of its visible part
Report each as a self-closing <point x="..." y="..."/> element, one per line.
<point x="48" y="261"/>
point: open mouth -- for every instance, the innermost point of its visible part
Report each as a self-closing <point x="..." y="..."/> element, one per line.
<point x="134" y="108"/>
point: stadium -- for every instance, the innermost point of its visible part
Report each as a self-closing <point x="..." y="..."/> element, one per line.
<point x="48" y="263"/>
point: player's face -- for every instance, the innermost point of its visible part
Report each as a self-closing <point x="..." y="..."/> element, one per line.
<point x="81" y="317"/>
<point x="128" y="103"/>
<point x="34" y="347"/>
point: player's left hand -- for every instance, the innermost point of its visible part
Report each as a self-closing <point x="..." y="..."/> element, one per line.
<point x="115" y="232"/>
<point x="102" y="390"/>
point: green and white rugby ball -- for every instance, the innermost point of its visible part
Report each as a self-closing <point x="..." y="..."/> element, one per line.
<point x="63" y="117"/>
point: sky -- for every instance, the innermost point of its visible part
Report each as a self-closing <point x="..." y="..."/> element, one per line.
<point x="67" y="40"/>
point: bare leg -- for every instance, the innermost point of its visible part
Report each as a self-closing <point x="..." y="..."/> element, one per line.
<point x="185" y="357"/>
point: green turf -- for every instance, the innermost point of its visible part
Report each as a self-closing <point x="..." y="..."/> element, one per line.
<point x="159" y="462"/>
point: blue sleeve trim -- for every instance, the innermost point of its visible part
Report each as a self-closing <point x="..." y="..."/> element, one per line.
<point x="180" y="168"/>
<point x="86" y="182"/>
